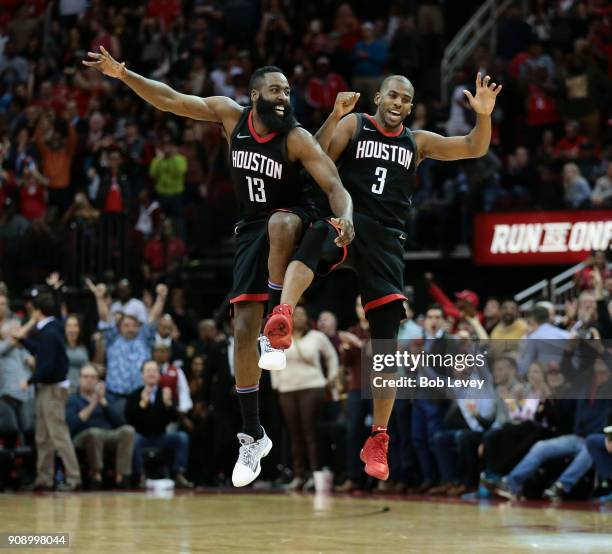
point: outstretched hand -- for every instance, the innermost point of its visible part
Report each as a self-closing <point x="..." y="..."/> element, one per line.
<point x="105" y="63"/>
<point x="347" y="233"/>
<point x="345" y="103"/>
<point x="484" y="101"/>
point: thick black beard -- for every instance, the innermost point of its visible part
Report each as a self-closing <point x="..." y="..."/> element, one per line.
<point x="271" y="120"/>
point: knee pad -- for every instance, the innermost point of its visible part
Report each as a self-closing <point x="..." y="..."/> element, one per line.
<point x="318" y="246"/>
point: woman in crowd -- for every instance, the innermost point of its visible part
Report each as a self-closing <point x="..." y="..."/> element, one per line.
<point x="75" y="350"/>
<point x="301" y="388"/>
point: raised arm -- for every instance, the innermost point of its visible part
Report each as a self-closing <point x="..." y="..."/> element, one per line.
<point x="473" y="145"/>
<point x="160" y="301"/>
<point x="302" y="147"/>
<point x="99" y="291"/>
<point x="335" y="134"/>
<point x="217" y="109"/>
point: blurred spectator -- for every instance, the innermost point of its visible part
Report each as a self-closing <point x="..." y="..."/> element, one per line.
<point x="149" y="409"/>
<point x="173" y="377"/>
<point x="149" y="215"/>
<point x="164" y="253"/>
<point x="50" y="376"/>
<point x="56" y="143"/>
<point x="357" y="407"/>
<point x="597" y="261"/>
<point x="77" y="354"/>
<point x="370" y="55"/>
<point x="127" y="303"/>
<point x="166" y="334"/>
<point x="168" y="170"/>
<point x="207" y="337"/>
<point x="491" y="314"/>
<point x="544" y="343"/>
<point x="577" y="189"/>
<point x="32" y="191"/>
<point x="409" y="329"/>
<point x="599" y="446"/>
<point x="97" y="428"/>
<point x="301" y="393"/>
<point x="506" y="334"/>
<point x="16" y="404"/>
<point x="323" y="87"/>
<point x="601" y="197"/>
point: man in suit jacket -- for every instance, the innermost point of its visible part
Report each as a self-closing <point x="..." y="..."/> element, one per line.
<point x="149" y="409"/>
<point x="50" y="377"/>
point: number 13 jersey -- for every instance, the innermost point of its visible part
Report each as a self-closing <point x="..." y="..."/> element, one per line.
<point x="377" y="168"/>
<point x="264" y="178"/>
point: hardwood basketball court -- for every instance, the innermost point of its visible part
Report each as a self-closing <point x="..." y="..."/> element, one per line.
<point x="122" y="523"/>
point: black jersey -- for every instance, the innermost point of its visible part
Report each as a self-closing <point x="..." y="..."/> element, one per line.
<point x="264" y="178"/>
<point x="377" y="168"/>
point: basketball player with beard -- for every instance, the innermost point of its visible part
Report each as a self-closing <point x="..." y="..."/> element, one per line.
<point x="376" y="157"/>
<point x="267" y="150"/>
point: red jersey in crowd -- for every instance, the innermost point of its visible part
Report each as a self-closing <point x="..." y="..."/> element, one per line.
<point x="162" y="254"/>
<point x="169" y="378"/>
<point x="33" y="200"/>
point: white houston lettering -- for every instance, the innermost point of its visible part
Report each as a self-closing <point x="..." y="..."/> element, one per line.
<point x="258" y="163"/>
<point x="380" y="151"/>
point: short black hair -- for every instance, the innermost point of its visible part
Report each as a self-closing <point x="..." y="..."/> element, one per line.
<point x="258" y="75"/>
<point x="45" y="303"/>
<point x="386" y="80"/>
<point x="434" y="307"/>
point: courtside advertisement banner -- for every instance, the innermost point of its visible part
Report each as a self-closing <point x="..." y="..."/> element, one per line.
<point x="531" y="238"/>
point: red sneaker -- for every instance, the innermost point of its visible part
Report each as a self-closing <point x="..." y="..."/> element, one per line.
<point x="279" y="326"/>
<point x="374" y="456"/>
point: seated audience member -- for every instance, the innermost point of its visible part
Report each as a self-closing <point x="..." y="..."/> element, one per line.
<point x="96" y="427"/>
<point x="173" y="377"/>
<point x="149" y="409"/>
<point x="600" y="449"/>
<point x="207" y="338"/>
<point x="16" y="405"/>
<point x="601" y="197"/>
<point x="166" y="332"/>
<point x="544" y="343"/>
<point x="592" y="412"/>
<point x="506" y="334"/>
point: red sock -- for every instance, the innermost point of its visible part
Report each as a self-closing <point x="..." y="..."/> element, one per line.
<point x="377" y="429"/>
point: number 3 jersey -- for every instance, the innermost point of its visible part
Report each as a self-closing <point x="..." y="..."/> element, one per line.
<point x="377" y="168"/>
<point x="264" y="178"/>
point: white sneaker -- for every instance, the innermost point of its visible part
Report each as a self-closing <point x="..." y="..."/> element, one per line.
<point x="248" y="466"/>
<point x="272" y="359"/>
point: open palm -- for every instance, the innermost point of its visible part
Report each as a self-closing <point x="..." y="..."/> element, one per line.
<point x="484" y="101"/>
<point x="105" y="63"/>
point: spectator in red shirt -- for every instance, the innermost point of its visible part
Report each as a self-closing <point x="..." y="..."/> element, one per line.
<point x="323" y="87"/>
<point x="32" y="191"/>
<point x="164" y="253"/>
<point x="166" y="10"/>
<point x="573" y="146"/>
<point x="466" y="303"/>
<point x="584" y="278"/>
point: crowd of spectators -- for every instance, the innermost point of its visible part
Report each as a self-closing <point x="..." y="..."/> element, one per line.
<point x="85" y="164"/>
<point x="142" y="376"/>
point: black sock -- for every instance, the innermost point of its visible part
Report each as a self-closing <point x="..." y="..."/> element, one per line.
<point x="274" y="295"/>
<point x="248" y="397"/>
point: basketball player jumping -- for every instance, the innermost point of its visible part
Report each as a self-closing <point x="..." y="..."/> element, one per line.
<point x="375" y="156"/>
<point x="267" y="147"/>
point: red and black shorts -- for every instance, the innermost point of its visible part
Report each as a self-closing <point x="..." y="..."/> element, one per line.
<point x="250" y="274"/>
